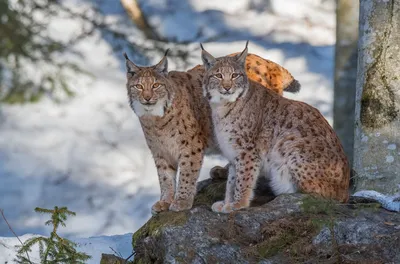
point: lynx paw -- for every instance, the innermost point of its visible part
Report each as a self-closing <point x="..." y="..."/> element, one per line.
<point x="226" y="208"/>
<point x="180" y="205"/>
<point x="159" y="206"/>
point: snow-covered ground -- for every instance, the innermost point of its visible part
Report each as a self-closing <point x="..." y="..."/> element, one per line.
<point x="119" y="245"/>
<point x="89" y="153"/>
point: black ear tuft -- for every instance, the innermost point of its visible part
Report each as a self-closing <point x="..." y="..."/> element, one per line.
<point x="241" y="58"/>
<point x="166" y="53"/>
<point x="207" y="58"/>
<point x="126" y="56"/>
<point x="162" y="66"/>
<point x="131" y="68"/>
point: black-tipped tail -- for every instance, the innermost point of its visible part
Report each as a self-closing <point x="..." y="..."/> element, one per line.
<point x="166" y="53"/>
<point x="293" y="87"/>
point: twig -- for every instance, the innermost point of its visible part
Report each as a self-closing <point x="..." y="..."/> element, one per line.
<point x="118" y="254"/>
<point x="131" y="255"/>
<point x="9" y="226"/>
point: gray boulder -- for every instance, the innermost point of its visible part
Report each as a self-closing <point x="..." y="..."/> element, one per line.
<point x="294" y="228"/>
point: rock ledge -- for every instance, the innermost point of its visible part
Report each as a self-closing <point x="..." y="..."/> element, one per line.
<point x="293" y="228"/>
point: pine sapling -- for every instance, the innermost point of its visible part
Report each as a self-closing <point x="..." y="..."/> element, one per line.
<point x="53" y="249"/>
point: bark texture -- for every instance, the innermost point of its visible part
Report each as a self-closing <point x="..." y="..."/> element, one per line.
<point x="345" y="73"/>
<point x="377" y="131"/>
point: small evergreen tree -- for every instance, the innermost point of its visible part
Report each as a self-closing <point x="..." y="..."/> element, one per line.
<point x="53" y="249"/>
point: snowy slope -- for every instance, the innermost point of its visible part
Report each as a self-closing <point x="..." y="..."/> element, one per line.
<point x="89" y="153"/>
<point x="120" y="245"/>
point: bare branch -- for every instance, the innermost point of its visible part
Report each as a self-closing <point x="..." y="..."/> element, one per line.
<point x="131" y="255"/>
<point x="9" y="226"/>
<point x="134" y="11"/>
<point x="117" y="253"/>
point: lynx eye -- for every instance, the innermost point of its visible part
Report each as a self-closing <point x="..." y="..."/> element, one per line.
<point x="138" y="86"/>
<point x="156" y="85"/>
<point x="235" y="75"/>
<point x="218" y="75"/>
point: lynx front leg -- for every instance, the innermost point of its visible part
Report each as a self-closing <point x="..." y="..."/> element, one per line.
<point x="230" y="189"/>
<point x="189" y="166"/>
<point x="247" y="171"/>
<point x="166" y="176"/>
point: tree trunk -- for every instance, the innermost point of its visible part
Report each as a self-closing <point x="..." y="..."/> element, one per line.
<point x="377" y="131"/>
<point x="134" y="11"/>
<point x="345" y="73"/>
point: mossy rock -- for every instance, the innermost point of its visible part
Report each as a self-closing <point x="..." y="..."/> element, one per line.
<point x="210" y="194"/>
<point x="112" y="259"/>
<point x="292" y="228"/>
<point x="214" y="190"/>
<point x="291" y="235"/>
<point x="145" y="241"/>
<point x="157" y="222"/>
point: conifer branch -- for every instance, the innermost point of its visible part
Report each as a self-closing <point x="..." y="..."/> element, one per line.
<point x="54" y="249"/>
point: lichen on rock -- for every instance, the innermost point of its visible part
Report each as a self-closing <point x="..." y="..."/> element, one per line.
<point x="292" y="228"/>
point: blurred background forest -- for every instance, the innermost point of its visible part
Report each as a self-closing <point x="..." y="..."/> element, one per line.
<point x="67" y="134"/>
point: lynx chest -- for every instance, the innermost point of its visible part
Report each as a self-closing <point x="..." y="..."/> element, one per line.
<point x="225" y="138"/>
<point x="163" y="141"/>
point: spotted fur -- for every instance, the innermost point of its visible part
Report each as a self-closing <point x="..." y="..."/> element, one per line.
<point x="176" y="121"/>
<point x="267" y="73"/>
<point x="263" y="133"/>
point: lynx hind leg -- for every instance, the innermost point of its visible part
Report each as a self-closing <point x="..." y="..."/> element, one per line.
<point x="328" y="188"/>
<point x="322" y="180"/>
<point x="166" y="177"/>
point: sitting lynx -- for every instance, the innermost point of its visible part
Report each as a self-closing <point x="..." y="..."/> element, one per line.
<point x="261" y="132"/>
<point x="176" y="121"/>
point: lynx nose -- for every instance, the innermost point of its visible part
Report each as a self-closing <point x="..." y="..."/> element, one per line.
<point x="227" y="85"/>
<point x="147" y="96"/>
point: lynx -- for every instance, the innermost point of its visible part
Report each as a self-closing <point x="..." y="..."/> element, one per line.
<point x="263" y="133"/>
<point x="176" y="121"/>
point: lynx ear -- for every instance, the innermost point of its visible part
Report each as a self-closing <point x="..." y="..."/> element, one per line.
<point x="130" y="66"/>
<point x="162" y="66"/>
<point x="241" y="58"/>
<point x="208" y="59"/>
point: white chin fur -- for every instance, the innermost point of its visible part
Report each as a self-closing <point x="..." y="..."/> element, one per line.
<point x="217" y="97"/>
<point x="149" y="110"/>
<point x="231" y="97"/>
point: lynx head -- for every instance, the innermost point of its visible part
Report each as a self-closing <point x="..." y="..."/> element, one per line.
<point x="148" y="88"/>
<point x="225" y="79"/>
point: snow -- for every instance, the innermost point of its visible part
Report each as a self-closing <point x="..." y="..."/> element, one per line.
<point x="389" y="202"/>
<point x="89" y="153"/>
<point x="120" y="245"/>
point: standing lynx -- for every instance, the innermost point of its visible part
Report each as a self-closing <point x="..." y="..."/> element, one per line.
<point x="176" y="121"/>
<point x="261" y="132"/>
